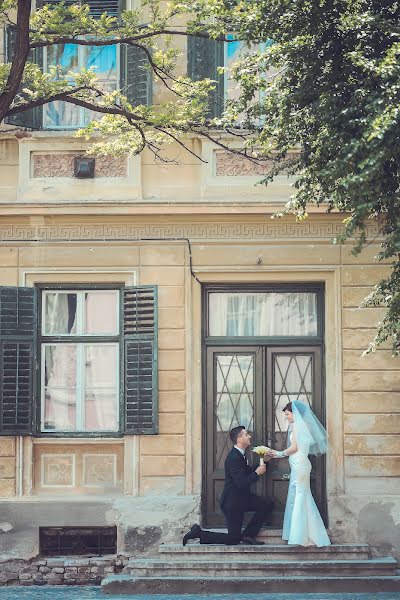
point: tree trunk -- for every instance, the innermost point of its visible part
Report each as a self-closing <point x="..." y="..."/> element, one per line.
<point x="19" y="59"/>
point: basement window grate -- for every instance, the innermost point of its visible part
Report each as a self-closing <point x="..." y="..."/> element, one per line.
<point x="77" y="541"/>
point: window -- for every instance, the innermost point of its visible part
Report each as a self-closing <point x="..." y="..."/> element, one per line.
<point x="80" y="378"/>
<point x="122" y="67"/>
<point x="74" y="58"/>
<point x="205" y="56"/>
<point x="274" y="313"/>
<point x="86" y="365"/>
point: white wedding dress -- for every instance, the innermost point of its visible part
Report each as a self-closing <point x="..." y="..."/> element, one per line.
<point x="302" y="524"/>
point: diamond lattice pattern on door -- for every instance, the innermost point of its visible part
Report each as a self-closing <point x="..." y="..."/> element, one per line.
<point x="234" y="399"/>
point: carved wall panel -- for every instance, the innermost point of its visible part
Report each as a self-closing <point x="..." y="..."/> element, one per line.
<point x="61" y="164"/>
<point x="78" y="468"/>
<point x="99" y="470"/>
<point x="230" y="165"/>
<point x="57" y="470"/>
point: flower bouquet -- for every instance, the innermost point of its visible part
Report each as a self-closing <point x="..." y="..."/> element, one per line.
<point x="261" y="450"/>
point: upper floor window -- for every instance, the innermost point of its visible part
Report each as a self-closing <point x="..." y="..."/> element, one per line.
<point x="123" y="66"/>
<point x="74" y="58"/>
<point x="206" y="56"/>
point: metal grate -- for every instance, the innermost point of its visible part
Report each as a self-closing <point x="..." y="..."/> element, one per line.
<point x="77" y="541"/>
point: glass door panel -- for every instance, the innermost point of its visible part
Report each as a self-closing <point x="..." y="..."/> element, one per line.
<point x="232" y="388"/>
<point x="292" y="374"/>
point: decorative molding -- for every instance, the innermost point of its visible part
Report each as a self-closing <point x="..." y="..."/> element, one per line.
<point x="57" y="470"/>
<point x="277" y="230"/>
<point x="231" y="165"/>
<point x="99" y="470"/>
<point x="61" y="164"/>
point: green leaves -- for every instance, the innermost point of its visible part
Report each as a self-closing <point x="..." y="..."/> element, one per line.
<point x="336" y="98"/>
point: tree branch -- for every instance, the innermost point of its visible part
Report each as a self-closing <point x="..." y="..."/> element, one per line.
<point x="119" y="40"/>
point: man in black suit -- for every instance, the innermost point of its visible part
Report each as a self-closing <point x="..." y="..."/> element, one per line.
<point x="237" y="498"/>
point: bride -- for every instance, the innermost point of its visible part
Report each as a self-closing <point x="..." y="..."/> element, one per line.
<point x="302" y="523"/>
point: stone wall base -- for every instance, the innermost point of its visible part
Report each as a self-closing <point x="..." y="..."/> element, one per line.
<point x="60" y="571"/>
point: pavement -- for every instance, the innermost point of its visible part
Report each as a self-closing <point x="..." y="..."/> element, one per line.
<point x="57" y="592"/>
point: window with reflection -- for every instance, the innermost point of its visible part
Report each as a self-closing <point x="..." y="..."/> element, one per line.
<point x="72" y="58"/>
<point x="80" y="360"/>
<point x="245" y="314"/>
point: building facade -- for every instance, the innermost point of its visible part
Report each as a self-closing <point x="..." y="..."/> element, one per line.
<point x="148" y="309"/>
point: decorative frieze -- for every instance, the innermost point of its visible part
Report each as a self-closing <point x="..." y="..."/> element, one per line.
<point x="61" y="164"/>
<point x="232" y="165"/>
<point x="268" y="230"/>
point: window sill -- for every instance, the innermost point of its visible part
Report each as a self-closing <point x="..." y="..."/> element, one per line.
<point x="48" y="438"/>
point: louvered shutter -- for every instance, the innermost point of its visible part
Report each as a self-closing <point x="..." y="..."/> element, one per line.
<point x="17" y="360"/>
<point x="97" y="7"/>
<point x="31" y="119"/>
<point x="140" y="353"/>
<point x="136" y="75"/>
<point x="204" y="58"/>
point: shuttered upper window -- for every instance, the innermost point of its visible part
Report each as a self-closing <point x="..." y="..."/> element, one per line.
<point x="205" y="56"/>
<point x="87" y="364"/>
<point x="123" y="67"/>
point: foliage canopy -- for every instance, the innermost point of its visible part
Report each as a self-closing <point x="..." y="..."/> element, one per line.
<point x="328" y="113"/>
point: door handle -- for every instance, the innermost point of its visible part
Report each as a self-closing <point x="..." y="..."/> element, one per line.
<point x="285" y="477"/>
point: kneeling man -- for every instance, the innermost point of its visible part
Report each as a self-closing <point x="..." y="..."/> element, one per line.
<point x="237" y="498"/>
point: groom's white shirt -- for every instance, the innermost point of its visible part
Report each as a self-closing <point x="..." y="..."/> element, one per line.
<point x="240" y="450"/>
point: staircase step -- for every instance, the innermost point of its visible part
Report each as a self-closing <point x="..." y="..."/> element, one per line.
<point x="268" y="536"/>
<point x="270" y="551"/>
<point x="128" y="584"/>
<point x="190" y="567"/>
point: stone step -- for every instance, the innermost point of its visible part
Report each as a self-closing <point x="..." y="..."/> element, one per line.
<point x="268" y="536"/>
<point x="128" y="584"/>
<point x="270" y="551"/>
<point x="190" y="567"/>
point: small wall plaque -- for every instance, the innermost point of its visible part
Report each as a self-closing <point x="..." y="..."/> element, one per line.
<point x="84" y="167"/>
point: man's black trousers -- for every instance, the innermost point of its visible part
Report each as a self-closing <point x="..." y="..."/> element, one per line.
<point x="234" y="521"/>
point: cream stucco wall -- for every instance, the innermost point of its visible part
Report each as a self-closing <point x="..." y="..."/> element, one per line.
<point x="75" y="233"/>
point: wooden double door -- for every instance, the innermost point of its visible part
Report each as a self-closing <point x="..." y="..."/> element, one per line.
<point x="250" y="385"/>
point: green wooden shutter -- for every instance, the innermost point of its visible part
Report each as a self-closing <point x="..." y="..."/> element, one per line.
<point x="141" y="365"/>
<point x="204" y="58"/>
<point x="97" y="7"/>
<point x="31" y="119"/>
<point x="136" y="75"/>
<point x="17" y="360"/>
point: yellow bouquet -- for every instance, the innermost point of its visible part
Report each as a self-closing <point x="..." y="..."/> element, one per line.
<point x="261" y="450"/>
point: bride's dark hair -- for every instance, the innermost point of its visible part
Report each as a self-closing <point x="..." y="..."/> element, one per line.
<point x="301" y="407"/>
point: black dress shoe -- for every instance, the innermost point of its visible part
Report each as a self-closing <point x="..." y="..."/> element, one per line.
<point x="249" y="541"/>
<point x="192" y="534"/>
